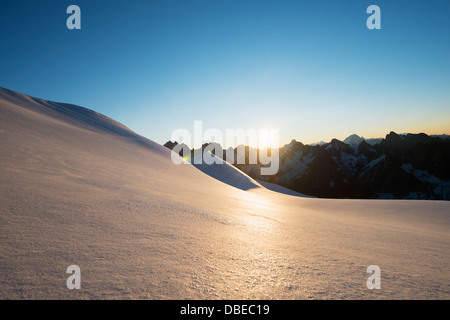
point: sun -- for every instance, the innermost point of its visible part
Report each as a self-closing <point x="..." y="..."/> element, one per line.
<point x="268" y="138"/>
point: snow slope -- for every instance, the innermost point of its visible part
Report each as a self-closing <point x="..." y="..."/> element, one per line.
<point x="79" y="188"/>
<point x="224" y="172"/>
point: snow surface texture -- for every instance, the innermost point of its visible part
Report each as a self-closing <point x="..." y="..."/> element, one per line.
<point x="79" y="188"/>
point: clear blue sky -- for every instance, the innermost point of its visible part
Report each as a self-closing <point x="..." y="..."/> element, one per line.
<point x="311" y="69"/>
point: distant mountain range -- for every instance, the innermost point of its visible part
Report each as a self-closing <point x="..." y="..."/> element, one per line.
<point x="400" y="166"/>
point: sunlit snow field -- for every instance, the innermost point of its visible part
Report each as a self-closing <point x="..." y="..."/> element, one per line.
<point x="78" y="188"/>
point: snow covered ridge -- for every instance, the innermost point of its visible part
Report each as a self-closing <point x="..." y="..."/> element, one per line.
<point x="353" y="140"/>
<point x="356" y="168"/>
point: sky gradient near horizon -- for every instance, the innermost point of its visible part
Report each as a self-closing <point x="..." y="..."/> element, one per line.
<point x="311" y="69"/>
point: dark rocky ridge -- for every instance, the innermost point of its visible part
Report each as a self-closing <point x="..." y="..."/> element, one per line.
<point x="409" y="166"/>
